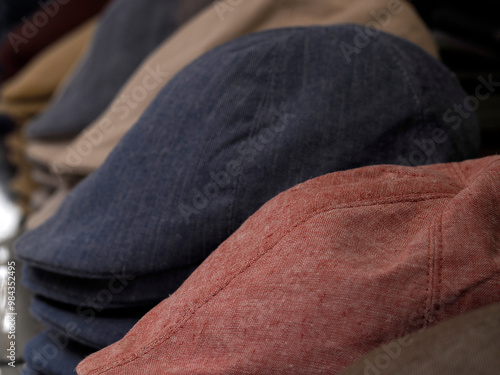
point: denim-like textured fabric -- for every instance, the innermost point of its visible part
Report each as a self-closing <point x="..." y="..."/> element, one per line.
<point x="326" y="272"/>
<point x="117" y="292"/>
<point x="52" y="353"/>
<point x="97" y="328"/>
<point x="128" y="32"/>
<point x="241" y="124"/>
<point x="465" y="345"/>
<point x="205" y="32"/>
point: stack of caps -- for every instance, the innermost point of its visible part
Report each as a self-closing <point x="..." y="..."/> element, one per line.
<point x="241" y="124"/>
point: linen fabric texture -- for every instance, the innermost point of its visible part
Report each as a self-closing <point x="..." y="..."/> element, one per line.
<point x="249" y="130"/>
<point x="305" y="142"/>
<point x="243" y="106"/>
<point x="209" y="29"/>
<point x="214" y="26"/>
<point x="326" y="272"/>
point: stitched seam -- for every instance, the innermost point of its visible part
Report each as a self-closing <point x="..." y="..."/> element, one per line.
<point x="392" y="48"/>
<point x="428" y="286"/>
<point x="146" y="349"/>
<point x="434" y="274"/>
<point x="432" y="260"/>
<point x="490" y="165"/>
<point x="487" y="171"/>
<point x="439" y="238"/>
<point x="253" y="133"/>
<point x="454" y="173"/>
<point x="460" y="173"/>
<point x="67" y="271"/>
<point x="434" y="256"/>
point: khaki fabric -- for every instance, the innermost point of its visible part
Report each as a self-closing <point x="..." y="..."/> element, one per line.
<point x="46" y="190"/>
<point x="465" y="345"/>
<point x="45" y="152"/>
<point x="29" y="92"/>
<point x="22" y="183"/>
<point x="211" y="28"/>
<point x="49" y="208"/>
<point x="26" y="94"/>
<point x="216" y="25"/>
